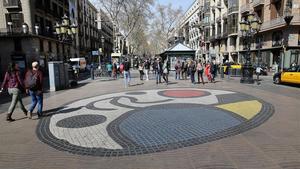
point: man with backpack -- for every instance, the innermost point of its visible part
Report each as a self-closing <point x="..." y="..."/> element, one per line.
<point x="34" y="87"/>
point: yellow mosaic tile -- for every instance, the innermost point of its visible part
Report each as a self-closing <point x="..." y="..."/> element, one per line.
<point x="246" y="109"/>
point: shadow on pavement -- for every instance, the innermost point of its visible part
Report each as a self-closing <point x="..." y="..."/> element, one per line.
<point x="138" y="84"/>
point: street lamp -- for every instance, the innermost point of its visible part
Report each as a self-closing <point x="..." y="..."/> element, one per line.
<point x="25" y="28"/>
<point x="65" y="31"/>
<point x="10" y="26"/>
<point x="249" y="26"/>
<point x="36" y="27"/>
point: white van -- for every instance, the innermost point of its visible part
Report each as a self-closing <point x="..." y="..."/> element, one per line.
<point x="78" y="63"/>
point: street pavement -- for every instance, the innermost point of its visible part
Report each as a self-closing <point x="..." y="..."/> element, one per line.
<point x="101" y="124"/>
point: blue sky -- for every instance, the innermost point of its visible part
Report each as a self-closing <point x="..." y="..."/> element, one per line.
<point x="185" y="4"/>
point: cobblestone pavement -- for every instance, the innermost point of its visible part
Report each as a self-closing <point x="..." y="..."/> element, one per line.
<point x="213" y="126"/>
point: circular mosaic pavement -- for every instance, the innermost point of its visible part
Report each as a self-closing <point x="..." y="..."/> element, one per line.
<point x="151" y="121"/>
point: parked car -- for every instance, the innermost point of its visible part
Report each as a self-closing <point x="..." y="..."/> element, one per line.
<point x="292" y="75"/>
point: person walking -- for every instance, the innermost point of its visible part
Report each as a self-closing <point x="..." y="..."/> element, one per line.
<point x="158" y="67"/>
<point x="213" y="70"/>
<point x="166" y="72"/>
<point x="141" y="70"/>
<point x="258" y="72"/>
<point x="115" y="70"/>
<point x="109" y="68"/>
<point x="192" y="71"/>
<point x="127" y="76"/>
<point x="178" y="70"/>
<point x="200" y="71"/>
<point x="34" y="87"/>
<point x="13" y="83"/>
<point x="184" y="67"/>
<point x="207" y="71"/>
<point x="147" y="65"/>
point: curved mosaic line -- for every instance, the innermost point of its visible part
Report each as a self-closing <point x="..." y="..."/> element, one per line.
<point x="149" y="121"/>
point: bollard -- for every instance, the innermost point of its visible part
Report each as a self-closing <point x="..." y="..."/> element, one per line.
<point x="92" y="73"/>
<point x="222" y="72"/>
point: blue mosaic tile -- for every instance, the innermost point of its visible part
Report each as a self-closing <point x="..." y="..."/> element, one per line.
<point x="156" y="126"/>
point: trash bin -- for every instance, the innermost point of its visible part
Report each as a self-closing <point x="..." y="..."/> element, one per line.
<point x="222" y="72"/>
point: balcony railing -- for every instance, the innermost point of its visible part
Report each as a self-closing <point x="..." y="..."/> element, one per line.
<point x="245" y="8"/>
<point x="279" y="22"/>
<point x="257" y="3"/>
<point x="273" y="23"/>
<point x="219" y="3"/>
<point x="8" y="31"/>
<point x="233" y="9"/>
<point x="225" y="15"/>
<point x="224" y="34"/>
<point x="12" y="3"/>
<point x="218" y="19"/>
<point x="212" y="37"/>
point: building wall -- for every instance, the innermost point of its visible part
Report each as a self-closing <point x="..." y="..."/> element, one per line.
<point x="280" y="42"/>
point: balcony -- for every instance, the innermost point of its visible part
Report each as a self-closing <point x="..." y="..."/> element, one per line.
<point x="272" y="24"/>
<point x="226" y="2"/>
<point x="233" y="9"/>
<point x="279" y="22"/>
<point x="225" y="15"/>
<point x="257" y="3"/>
<point x="245" y="8"/>
<point x="224" y="34"/>
<point x="219" y="3"/>
<point x="212" y="38"/>
<point x="218" y="19"/>
<point x="218" y="36"/>
<point x="206" y="24"/>
<point x="12" y="4"/>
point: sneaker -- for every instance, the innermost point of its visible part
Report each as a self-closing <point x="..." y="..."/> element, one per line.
<point x="25" y="113"/>
<point x="29" y="115"/>
<point x="9" y="119"/>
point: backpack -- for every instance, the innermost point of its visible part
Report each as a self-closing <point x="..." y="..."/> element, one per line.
<point x="31" y="81"/>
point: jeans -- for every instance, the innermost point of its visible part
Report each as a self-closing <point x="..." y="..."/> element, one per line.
<point x="16" y="99"/>
<point x="192" y="73"/>
<point x="200" y="76"/>
<point x="177" y="77"/>
<point x="126" y="78"/>
<point x="36" y="99"/>
<point x="158" y="77"/>
<point x="147" y="74"/>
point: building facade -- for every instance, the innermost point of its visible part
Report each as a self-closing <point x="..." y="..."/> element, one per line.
<point x="27" y="32"/>
<point x="218" y="36"/>
<point x="278" y="41"/>
<point x="88" y="33"/>
<point x="189" y="29"/>
<point x="105" y="27"/>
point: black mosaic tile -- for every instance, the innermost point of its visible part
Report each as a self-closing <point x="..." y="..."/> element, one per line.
<point x="150" y="141"/>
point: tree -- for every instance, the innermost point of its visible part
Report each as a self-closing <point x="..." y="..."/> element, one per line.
<point x="125" y="14"/>
<point x="163" y="24"/>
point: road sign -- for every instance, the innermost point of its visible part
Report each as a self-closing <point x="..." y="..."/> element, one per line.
<point x="95" y="53"/>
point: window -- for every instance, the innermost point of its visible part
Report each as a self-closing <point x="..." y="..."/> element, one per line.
<point x="41" y="46"/>
<point x="17" y="19"/>
<point x="276" y="9"/>
<point x="18" y="44"/>
<point x="277" y="39"/>
<point x="50" y="46"/>
<point x="299" y="38"/>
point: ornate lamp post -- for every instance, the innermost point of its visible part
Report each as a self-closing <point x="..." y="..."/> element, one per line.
<point x="65" y="31"/>
<point x="249" y="26"/>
